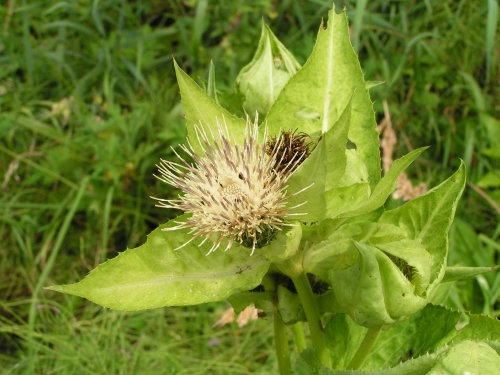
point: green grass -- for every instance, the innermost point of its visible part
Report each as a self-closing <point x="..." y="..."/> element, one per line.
<point x="75" y="186"/>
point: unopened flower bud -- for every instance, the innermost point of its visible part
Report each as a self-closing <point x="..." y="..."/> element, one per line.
<point x="264" y="77"/>
<point x="386" y="283"/>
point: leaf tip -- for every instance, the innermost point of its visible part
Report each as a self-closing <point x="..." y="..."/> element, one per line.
<point x="56" y="288"/>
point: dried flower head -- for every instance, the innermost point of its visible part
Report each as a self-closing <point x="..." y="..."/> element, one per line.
<point x="232" y="192"/>
<point x="287" y="145"/>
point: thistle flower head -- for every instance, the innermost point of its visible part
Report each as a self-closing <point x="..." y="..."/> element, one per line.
<point x="233" y="192"/>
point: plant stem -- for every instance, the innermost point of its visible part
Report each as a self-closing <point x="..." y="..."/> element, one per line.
<point x="281" y="342"/>
<point x="311" y="310"/>
<point x="364" y="348"/>
<point x="300" y="339"/>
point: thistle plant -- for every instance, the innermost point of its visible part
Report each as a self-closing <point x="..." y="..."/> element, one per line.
<point x="284" y="209"/>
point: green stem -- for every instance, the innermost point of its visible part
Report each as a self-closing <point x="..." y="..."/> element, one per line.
<point x="364" y="348"/>
<point x="313" y="318"/>
<point x="300" y="339"/>
<point x="293" y="268"/>
<point x="281" y="342"/>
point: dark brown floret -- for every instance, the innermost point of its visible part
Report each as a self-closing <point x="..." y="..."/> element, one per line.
<point x="291" y="147"/>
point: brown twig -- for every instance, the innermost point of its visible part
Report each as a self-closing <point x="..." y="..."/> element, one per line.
<point x="482" y="193"/>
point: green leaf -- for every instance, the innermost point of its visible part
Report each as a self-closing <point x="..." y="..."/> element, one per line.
<point x="201" y="109"/>
<point x="343" y="339"/>
<point x="342" y="199"/>
<point x="468" y="357"/>
<point x="480" y="328"/>
<point x="262" y="80"/>
<point x="285" y="245"/>
<point x="355" y="171"/>
<point x="321" y="257"/>
<point x="426" y="332"/>
<point x="352" y="190"/>
<point x="464" y="243"/>
<point x="311" y="173"/>
<point x="386" y="186"/>
<point x="427" y="219"/>
<point x="307" y="363"/>
<point x="335" y="140"/>
<point x="431" y="330"/>
<point x="233" y="103"/>
<point x="337" y="251"/>
<point x="460" y="273"/>
<point x="289" y="306"/>
<point x="319" y="231"/>
<point x="155" y="275"/>
<point x="315" y="97"/>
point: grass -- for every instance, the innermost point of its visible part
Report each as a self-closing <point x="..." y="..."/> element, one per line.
<point x="89" y="104"/>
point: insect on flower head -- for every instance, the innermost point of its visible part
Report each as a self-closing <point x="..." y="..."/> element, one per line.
<point x="233" y="192"/>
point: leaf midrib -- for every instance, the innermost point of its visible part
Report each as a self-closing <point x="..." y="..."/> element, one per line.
<point x="195" y="276"/>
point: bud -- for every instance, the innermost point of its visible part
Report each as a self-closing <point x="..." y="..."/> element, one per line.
<point x="385" y="283"/>
<point x="262" y="80"/>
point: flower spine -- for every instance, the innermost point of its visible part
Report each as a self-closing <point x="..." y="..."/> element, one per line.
<point x="233" y="192"/>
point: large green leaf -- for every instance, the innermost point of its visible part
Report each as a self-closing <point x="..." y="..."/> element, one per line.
<point x="427" y="220"/>
<point x="432" y="330"/>
<point x="314" y="98"/>
<point x="200" y="109"/>
<point x="155" y="274"/>
<point x="466" y="357"/>
<point x="308" y="364"/>
<point x="426" y="332"/>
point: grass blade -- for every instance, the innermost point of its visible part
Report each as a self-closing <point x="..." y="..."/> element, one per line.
<point x="491" y="28"/>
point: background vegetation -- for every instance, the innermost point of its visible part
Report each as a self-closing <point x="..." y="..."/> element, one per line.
<point x="89" y="104"/>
